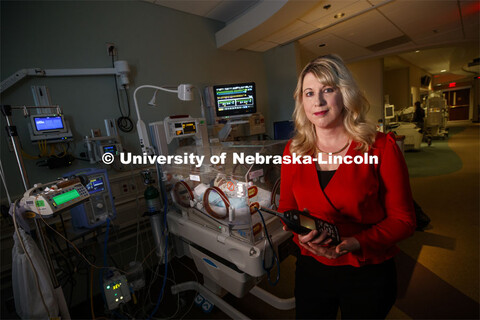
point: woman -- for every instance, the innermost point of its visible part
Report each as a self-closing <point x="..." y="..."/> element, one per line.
<point x="371" y="204"/>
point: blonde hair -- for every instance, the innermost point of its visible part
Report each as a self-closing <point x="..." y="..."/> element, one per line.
<point x="330" y="70"/>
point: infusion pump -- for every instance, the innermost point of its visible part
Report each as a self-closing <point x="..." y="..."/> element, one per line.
<point x="50" y="198"/>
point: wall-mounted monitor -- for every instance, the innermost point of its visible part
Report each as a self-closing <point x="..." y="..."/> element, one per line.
<point x="235" y="99"/>
<point x="48" y="123"/>
<point x="425" y="81"/>
<point x="389" y="111"/>
<point x="283" y="130"/>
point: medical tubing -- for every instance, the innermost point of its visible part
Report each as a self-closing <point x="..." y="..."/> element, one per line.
<point x="104" y="261"/>
<point x="165" y="208"/>
<point x="274" y="253"/>
<point x="160" y="296"/>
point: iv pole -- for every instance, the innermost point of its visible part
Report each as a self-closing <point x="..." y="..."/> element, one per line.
<point x="12" y="133"/>
<point x="121" y="70"/>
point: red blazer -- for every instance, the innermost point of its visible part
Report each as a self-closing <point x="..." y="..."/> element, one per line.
<point x="375" y="201"/>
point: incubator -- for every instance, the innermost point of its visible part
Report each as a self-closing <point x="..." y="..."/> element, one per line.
<point x="215" y="217"/>
<point x="224" y="196"/>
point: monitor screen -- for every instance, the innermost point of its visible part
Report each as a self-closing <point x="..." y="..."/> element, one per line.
<point x="389" y="111"/>
<point x="95" y="185"/>
<point x="110" y="149"/>
<point x="235" y="99"/>
<point x="48" y="123"/>
<point x="283" y="130"/>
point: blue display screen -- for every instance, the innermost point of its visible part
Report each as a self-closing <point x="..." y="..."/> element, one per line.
<point x="48" y="123"/>
<point x="110" y="149"/>
<point x="95" y="185"/>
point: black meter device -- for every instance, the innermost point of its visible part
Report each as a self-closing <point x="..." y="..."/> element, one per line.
<point x="301" y="222"/>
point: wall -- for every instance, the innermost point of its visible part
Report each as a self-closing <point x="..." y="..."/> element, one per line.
<point x="369" y="76"/>
<point x="396" y="84"/>
<point x="162" y="47"/>
<point x="282" y="71"/>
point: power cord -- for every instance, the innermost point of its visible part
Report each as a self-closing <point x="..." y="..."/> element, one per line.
<point x="165" y="208"/>
<point x="124" y="122"/>
<point x="274" y="257"/>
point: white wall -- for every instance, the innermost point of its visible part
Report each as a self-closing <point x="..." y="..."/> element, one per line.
<point x="369" y="76"/>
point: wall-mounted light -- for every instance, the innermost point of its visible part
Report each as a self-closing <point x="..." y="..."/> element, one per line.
<point x="443" y="70"/>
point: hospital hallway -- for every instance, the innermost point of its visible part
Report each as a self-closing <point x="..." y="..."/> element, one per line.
<point x="438" y="269"/>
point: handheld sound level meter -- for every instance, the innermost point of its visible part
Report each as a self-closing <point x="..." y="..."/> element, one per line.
<point x="301" y="222"/>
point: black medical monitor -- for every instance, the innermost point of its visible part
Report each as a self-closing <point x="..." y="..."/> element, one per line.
<point x="235" y="99"/>
<point x="283" y="130"/>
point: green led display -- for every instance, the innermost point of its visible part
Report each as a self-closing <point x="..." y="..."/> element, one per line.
<point x="39" y="203"/>
<point x="65" y="197"/>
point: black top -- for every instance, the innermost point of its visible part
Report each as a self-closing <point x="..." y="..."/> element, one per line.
<point x="324" y="177"/>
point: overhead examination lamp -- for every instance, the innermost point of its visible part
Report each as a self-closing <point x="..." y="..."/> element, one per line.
<point x="184" y="93"/>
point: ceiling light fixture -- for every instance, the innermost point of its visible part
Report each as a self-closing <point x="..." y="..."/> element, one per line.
<point x="443" y="70"/>
<point x="417" y="51"/>
<point x="339" y="15"/>
<point x="327" y="6"/>
<point x="322" y="45"/>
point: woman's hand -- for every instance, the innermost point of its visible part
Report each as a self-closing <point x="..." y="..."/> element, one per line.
<point x="318" y="244"/>
<point x="331" y="252"/>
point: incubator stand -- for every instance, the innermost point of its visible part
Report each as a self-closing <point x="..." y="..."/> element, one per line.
<point x="216" y="220"/>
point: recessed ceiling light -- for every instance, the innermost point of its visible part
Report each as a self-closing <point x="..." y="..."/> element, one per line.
<point x="339" y="15"/>
<point x="417" y="51"/>
<point x="443" y="70"/>
<point x="322" y="45"/>
<point x="327" y="6"/>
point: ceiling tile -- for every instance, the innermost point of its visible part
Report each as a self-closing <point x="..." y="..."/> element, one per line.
<point x="367" y="29"/>
<point x="418" y="18"/>
<point x="319" y="12"/>
<point x="295" y="30"/>
<point x="351" y="8"/>
<point x="471" y="19"/>
<point x="333" y="44"/>
<point x="441" y="36"/>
